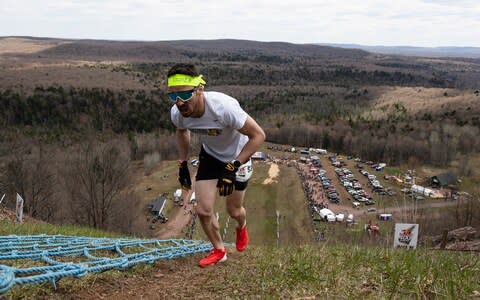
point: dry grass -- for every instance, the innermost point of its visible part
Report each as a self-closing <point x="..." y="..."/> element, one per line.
<point x="64" y="64"/>
<point x="319" y="271"/>
<point x="456" y="65"/>
<point x="31" y="72"/>
<point x="29" y="76"/>
<point x="26" y="46"/>
<point x="419" y="99"/>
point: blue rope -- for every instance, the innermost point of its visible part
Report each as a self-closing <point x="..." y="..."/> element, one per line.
<point x="92" y="255"/>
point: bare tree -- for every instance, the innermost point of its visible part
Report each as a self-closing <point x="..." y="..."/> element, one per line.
<point x="29" y="173"/>
<point x="97" y="176"/>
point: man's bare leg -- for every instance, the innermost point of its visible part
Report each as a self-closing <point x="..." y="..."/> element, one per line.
<point x="235" y="207"/>
<point x="205" y="193"/>
<point x="237" y="211"/>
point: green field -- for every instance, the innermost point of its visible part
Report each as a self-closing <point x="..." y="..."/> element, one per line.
<point x="262" y="201"/>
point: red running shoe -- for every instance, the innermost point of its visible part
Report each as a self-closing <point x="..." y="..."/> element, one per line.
<point x="242" y="238"/>
<point x="215" y="256"/>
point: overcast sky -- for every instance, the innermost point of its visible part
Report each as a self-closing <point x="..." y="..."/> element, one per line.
<point x="427" y="23"/>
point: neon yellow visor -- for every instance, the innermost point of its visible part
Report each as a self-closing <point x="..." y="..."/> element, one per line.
<point x="182" y="79"/>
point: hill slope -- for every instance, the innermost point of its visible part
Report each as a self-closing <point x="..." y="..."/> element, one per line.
<point x="309" y="271"/>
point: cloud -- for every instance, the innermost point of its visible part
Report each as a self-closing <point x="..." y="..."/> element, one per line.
<point x="456" y="3"/>
<point x="407" y="22"/>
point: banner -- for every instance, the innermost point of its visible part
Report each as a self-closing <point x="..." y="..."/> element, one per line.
<point x="406" y="236"/>
<point x="19" y="209"/>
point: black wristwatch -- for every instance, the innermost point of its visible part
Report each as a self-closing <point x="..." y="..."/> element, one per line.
<point x="236" y="163"/>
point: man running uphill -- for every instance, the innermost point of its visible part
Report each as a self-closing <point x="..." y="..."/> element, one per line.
<point x="229" y="137"/>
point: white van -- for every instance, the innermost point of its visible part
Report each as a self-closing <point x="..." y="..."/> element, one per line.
<point x="304" y="152"/>
<point x="321" y="151"/>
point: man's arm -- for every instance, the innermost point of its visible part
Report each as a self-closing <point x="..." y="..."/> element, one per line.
<point x="183" y="142"/>
<point x="256" y="136"/>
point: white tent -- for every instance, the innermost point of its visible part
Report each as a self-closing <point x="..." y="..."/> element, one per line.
<point x="325" y="212"/>
<point x="422" y="190"/>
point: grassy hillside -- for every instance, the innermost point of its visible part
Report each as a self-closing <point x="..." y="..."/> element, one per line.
<point x="298" y="268"/>
<point x="8" y="227"/>
<point x="262" y="201"/>
<point x="309" y="271"/>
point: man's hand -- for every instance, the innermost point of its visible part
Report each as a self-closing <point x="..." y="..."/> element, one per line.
<point x="184" y="175"/>
<point x="226" y="181"/>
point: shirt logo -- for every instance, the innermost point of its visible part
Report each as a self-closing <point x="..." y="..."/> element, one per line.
<point x="209" y="132"/>
<point x="214" y="132"/>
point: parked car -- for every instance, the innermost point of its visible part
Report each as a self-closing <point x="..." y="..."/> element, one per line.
<point x="332" y="195"/>
<point x="161" y="218"/>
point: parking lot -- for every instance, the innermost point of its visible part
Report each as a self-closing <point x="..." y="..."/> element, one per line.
<point x="349" y="186"/>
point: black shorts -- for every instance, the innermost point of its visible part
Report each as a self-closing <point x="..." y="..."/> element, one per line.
<point x="211" y="168"/>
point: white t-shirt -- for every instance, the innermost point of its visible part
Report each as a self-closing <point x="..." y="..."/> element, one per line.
<point x="218" y="126"/>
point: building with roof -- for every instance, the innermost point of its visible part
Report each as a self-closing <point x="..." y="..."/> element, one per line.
<point x="157" y="206"/>
<point x="259" y="156"/>
<point x="444" y="179"/>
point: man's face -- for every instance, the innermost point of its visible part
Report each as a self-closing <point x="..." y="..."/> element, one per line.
<point x="186" y="98"/>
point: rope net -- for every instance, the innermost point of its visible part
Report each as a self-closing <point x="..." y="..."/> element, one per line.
<point x="52" y="257"/>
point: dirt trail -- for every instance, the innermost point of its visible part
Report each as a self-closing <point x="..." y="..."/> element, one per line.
<point x="273" y="173"/>
<point x="183" y="216"/>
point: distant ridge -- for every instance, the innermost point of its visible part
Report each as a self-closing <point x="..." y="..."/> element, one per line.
<point x="447" y="51"/>
<point x="279" y="48"/>
<point x="157" y="50"/>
